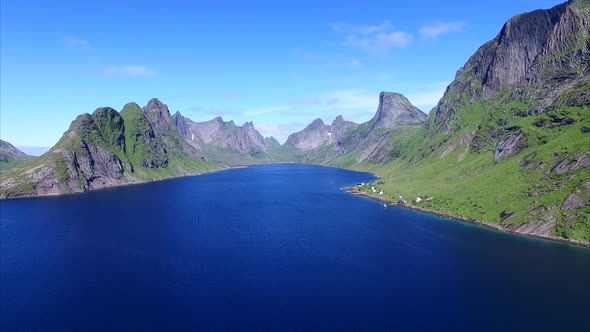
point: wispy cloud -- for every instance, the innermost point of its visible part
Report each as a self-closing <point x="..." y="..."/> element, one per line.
<point x="212" y="112"/>
<point x="354" y="63"/>
<point x="429" y="95"/>
<point x="129" y="71"/>
<point x="280" y="131"/>
<point x="303" y="102"/>
<point x="361" y="29"/>
<point x="229" y="95"/>
<point x="265" y="110"/>
<point x="375" y="39"/>
<point x="440" y="28"/>
<point x="75" y="42"/>
<point x="350" y="100"/>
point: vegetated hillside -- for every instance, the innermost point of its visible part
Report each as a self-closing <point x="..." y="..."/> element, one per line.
<point x="509" y="142"/>
<point x="106" y="149"/>
<point x="10" y="157"/>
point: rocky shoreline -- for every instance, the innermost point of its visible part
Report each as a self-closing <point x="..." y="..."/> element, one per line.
<point x="354" y="190"/>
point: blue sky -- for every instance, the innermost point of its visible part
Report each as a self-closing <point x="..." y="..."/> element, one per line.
<point x="278" y="64"/>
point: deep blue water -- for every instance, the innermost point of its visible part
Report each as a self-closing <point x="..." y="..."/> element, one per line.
<point x="274" y="247"/>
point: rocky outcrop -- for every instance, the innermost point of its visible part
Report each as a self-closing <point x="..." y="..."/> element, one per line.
<point x="510" y="146"/>
<point x="566" y="164"/>
<point x="540" y="221"/>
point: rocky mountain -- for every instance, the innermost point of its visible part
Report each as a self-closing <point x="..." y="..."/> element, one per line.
<point x="395" y="110"/>
<point x="225" y="141"/>
<point x="11" y="157"/>
<point x="321" y="143"/>
<point x="509" y="142"/>
<point x="539" y="58"/>
<point x="109" y="148"/>
<point x="316" y="134"/>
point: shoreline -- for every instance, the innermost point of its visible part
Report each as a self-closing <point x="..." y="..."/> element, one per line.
<point x="124" y="184"/>
<point x="354" y="191"/>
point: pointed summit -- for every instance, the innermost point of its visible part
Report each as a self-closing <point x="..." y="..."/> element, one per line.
<point x="158" y="115"/>
<point x="338" y="121"/>
<point x="395" y="109"/>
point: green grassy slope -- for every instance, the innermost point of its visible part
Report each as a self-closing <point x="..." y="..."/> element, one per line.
<point x="460" y="172"/>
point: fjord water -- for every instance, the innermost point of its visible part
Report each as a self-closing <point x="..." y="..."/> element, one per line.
<point x="273" y="247"/>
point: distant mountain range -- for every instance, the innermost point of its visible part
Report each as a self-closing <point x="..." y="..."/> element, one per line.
<point x="508" y="143"/>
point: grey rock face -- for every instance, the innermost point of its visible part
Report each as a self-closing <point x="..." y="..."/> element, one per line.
<point x="540" y="221"/>
<point x="317" y="134"/>
<point x="271" y="143"/>
<point x="394" y="110"/>
<point x="311" y="137"/>
<point x="159" y="115"/>
<point x="9" y="152"/>
<point x="538" y="56"/>
<point x="216" y="132"/>
<point x="509" y="147"/>
<point x="181" y="124"/>
<point x="567" y="164"/>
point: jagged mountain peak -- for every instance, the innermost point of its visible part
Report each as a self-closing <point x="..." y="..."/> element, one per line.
<point x="394" y="109"/>
<point x="155" y="103"/>
<point x="159" y="115"/>
<point x="316" y="123"/>
<point x="339" y="120"/>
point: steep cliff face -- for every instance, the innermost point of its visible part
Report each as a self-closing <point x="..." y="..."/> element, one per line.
<point x="540" y="58"/>
<point x="158" y="115"/>
<point x="395" y="110"/>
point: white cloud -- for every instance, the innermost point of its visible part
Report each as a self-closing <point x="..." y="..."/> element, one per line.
<point x="375" y="39"/>
<point x="76" y="42"/>
<point x="350" y="100"/>
<point x="129" y="71"/>
<point x="440" y="28"/>
<point x="361" y="29"/>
